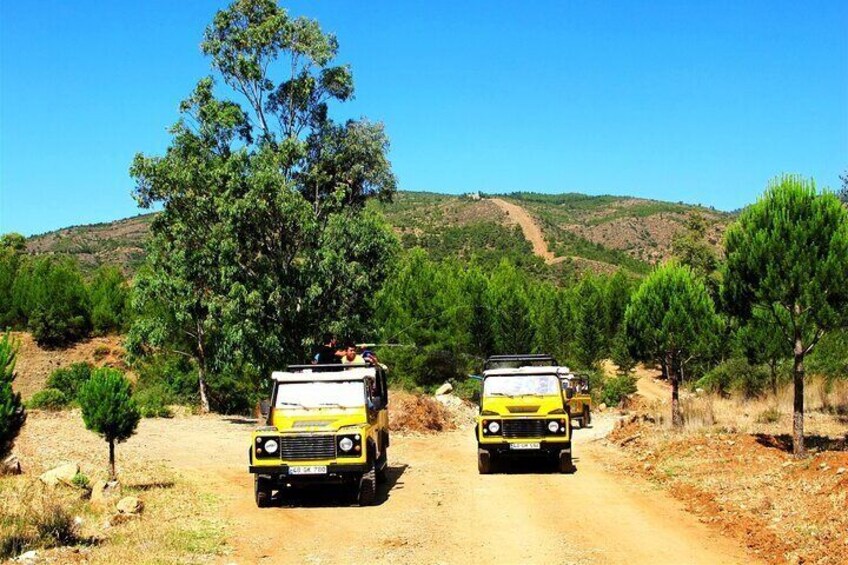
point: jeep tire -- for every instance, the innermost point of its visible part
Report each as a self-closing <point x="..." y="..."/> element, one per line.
<point x="262" y="491"/>
<point x="587" y="417"/>
<point x="484" y="462"/>
<point x="383" y="469"/>
<point x="367" y="494"/>
<point x="566" y="465"/>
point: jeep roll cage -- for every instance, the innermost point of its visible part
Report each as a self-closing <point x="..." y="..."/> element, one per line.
<point x="524" y="360"/>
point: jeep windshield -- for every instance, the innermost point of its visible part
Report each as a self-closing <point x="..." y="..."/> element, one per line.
<point x="521" y="385"/>
<point x="318" y="395"/>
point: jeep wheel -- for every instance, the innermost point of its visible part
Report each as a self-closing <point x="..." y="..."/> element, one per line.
<point x="587" y="417"/>
<point x="484" y="462"/>
<point x="261" y="491"/>
<point x="383" y="469"/>
<point x="566" y="465"/>
<point x="368" y="487"/>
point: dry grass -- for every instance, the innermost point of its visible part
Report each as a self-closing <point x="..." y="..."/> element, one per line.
<point x="826" y="410"/>
<point x="182" y="521"/>
<point x="732" y="465"/>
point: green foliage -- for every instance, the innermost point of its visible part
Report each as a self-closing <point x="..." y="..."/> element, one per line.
<point x="263" y="242"/>
<point x="690" y="247"/>
<point x="81" y="481"/>
<point x="508" y="302"/>
<point x="173" y="376"/>
<point x="52" y="297"/>
<point x="48" y="399"/>
<point x="70" y="379"/>
<point x="787" y="257"/>
<point x="108" y="408"/>
<point x="736" y="375"/>
<point x="11" y="256"/>
<point x="591" y="339"/>
<point x="153" y="402"/>
<point x="830" y="357"/>
<point x="790" y="251"/>
<point x="109" y="294"/>
<point x="671" y="317"/>
<point x="12" y="413"/>
<point x="616" y="389"/>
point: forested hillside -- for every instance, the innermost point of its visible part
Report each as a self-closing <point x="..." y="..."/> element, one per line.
<point x="597" y="233"/>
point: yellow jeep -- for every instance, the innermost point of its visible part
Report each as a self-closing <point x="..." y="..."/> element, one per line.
<point x="579" y="402"/>
<point x="523" y="412"/>
<point x="324" y="424"/>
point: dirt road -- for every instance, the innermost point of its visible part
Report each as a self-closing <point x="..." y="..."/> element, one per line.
<point x="531" y="230"/>
<point x="438" y="509"/>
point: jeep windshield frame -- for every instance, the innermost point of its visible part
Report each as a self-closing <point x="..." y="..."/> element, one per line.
<point x="514" y="386"/>
<point x="318" y="395"/>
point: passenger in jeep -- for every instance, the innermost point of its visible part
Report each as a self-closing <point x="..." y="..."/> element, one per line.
<point x="351" y="357"/>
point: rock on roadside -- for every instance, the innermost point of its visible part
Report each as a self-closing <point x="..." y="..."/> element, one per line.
<point x="103" y="493"/>
<point x="130" y="505"/>
<point x="444" y="389"/>
<point x="11" y="466"/>
<point x="61" y="474"/>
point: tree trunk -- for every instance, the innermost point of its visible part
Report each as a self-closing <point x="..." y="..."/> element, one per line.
<point x="112" y="459"/>
<point x="676" y="414"/>
<point x="773" y="379"/>
<point x="798" y="415"/>
<point x="201" y="371"/>
<point x="204" y="399"/>
<point x="664" y="366"/>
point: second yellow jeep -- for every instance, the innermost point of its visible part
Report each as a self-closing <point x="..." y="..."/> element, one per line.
<point x="523" y="413"/>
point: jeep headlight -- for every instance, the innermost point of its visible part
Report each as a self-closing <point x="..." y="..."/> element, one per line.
<point x="494" y="427"/>
<point x="271" y="446"/>
<point x="346" y="444"/>
<point x="553" y="426"/>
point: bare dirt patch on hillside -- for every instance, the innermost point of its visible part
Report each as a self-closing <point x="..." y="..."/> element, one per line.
<point x="35" y="363"/>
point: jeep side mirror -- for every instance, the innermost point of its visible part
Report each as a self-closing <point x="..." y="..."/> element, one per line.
<point x="265" y="408"/>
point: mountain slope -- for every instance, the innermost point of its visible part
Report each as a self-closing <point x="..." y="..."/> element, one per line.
<point x="569" y="232"/>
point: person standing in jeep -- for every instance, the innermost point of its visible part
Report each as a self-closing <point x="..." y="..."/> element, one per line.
<point x="328" y="353"/>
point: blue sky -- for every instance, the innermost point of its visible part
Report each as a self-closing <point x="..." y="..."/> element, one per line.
<point x="702" y="102"/>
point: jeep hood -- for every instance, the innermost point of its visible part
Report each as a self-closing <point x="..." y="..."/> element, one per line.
<point x="317" y="420"/>
<point x="523" y="405"/>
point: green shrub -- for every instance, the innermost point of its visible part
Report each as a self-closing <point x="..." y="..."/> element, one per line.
<point x="12" y="413"/>
<point x="153" y="402"/>
<point x="48" y="399"/>
<point x="736" y="374"/>
<point x="108" y="408"/>
<point x="229" y="395"/>
<point x="109" y="298"/>
<point x="617" y="389"/>
<point x="174" y="374"/>
<point x="70" y="379"/>
<point x="81" y="481"/>
<point x="54" y="300"/>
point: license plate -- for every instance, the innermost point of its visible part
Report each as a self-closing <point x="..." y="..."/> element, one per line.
<point x="525" y="446"/>
<point x="308" y="470"/>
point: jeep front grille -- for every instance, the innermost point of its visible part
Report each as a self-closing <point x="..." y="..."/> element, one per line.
<point x="523" y="428"/>
<point x="308" y="447"/>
